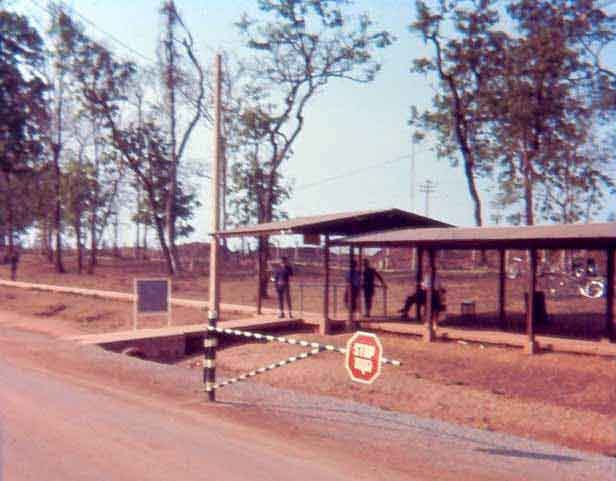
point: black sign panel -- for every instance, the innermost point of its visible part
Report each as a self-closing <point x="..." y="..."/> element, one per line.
<point x="152" y="295"/>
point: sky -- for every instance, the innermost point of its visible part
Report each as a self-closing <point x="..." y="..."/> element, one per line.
<point x="355" y="150"/>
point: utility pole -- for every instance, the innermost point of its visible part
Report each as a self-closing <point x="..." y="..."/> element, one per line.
<point x="413" y="175"/>
<point x="428" y="187"/>
<point x="416" y="138"/>
<point x="210" y="341"/>
<point x="223" y="190"/>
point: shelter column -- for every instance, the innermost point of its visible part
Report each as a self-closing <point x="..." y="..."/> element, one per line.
<point x="351" y="298"/>
<point x="324" y="326"/>
<point x="501" y="288"/>
<point x="429" y="321"/>
<point x="418" y="277"/>
<point x="531" y="347"/>
<point x="259" y="274"/>
<point x="609" y="296"/>
<point x="360" y="267"/>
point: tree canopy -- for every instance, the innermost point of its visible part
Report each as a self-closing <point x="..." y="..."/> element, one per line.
<point x="522" y="104"/>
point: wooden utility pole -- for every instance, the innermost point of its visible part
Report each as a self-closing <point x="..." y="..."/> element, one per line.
<point x="210" y="342"/>
<point x="413" y="175"/>
<point x="428" y="187"/>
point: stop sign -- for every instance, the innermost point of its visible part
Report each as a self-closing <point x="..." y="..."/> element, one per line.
<point x="363" y="357"/>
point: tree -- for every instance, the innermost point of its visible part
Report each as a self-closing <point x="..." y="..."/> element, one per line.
<point x="299" y="47"/>
<point x="176" y="81"/>
<point x="75" y="189"/>
<point x="464" y="65"/>
<point x="573" y="189"/>
<point x="547" y="117"/>
<point x="104" y="85"/>
<point x="62" y="35"/>
<point x="522" y="104"/>
<point x="22" y="117"/>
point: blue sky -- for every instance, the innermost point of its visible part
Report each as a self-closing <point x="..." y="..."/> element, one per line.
<point x="356" y="134"/>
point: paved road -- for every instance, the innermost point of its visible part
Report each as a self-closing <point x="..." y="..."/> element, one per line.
<point x="54" y="430"/>
<point x="62" y="418"/>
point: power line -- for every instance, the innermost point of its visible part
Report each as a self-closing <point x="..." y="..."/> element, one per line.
<point x="96" y="27"/>
<point x="357" y="171"/>
<point x="352" y="173"/>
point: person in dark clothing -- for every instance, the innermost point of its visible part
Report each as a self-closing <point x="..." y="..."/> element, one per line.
<point x="14" y="262"/>
<point x="370" y="274"/>
<point x="353" y="278"/>
<point x="282" y="280"/>
<point x="420" y="298"/>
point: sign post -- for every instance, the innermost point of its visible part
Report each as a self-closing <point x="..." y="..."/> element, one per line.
<point x="363" y="358"/>
<point x="152" y="297"/>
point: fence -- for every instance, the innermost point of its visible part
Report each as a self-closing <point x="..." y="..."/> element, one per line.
<point x="337" y="292"/>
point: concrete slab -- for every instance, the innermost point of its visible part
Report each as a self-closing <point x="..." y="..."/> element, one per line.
<point x="254" y="324"/>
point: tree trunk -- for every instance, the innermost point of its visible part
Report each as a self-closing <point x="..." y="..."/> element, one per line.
<point x="170" y="215"/>
<point x="145" y="242"/>
<point x="78" y="235"/>
<point x="116" y="234"/>
<point x="57" y="220"/>
<point x="528" y="187"/>
<point x="137" y="223"/>
<point x="49" y="239"/>
<point x="171" y="67"/>
<point x="10" y="219"/>
<point x="163" y="244"/>
<point x="56" y="150"/>
<point x="93" y="243"/>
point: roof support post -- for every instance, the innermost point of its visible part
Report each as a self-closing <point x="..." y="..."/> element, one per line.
<point x="502" y="318"/>
<point x="429" y="321"/>
<point x="352" y="297"/>
<point x="531" y="347"/>
<point x="418" y="277"/>
<point x="609" y="296"/>
<point x="259" y="274"/>
<point x="360" y="266"/>
<point x="324" y="327"/>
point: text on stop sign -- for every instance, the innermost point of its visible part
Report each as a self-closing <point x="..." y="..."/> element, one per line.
<point x="364" y="350"/>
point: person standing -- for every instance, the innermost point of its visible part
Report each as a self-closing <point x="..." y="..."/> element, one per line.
<point x="282" y="280"/>
<point x="370" y="274"/>
<point x="353" y="279"/>
<point x="14" y="263"/>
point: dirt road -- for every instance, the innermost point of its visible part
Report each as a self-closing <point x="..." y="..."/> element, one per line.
<point x="79" y="413"/>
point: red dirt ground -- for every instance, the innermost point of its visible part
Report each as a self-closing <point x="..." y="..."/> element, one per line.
<point x="564" y="398"/>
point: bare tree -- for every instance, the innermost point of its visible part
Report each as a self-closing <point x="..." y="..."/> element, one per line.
<point x="176" y="82"/>
<point x="299" y="47"/>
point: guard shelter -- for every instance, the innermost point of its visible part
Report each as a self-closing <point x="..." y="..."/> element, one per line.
<point x="323" y="229"/>
<point x="595" y="236"/>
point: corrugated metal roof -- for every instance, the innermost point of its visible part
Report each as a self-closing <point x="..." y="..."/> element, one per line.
<point x="595" y="235"/>
<point x="340" y="224"/>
